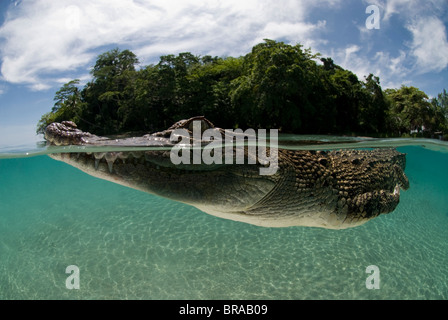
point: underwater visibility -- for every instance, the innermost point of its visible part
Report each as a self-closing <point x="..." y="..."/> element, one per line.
<point x="341" y="218"/>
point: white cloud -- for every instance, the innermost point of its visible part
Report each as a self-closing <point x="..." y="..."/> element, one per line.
<point x="392" y="70"/>
<point x="44" y="43"/>
<point x="420" y="43"/>
<point x="423" y="19"/>
<point x="407" y="8"/>
<point x="429" y="45"/>
<point x="351" y="58"/>
<point x="41" y="39"/>
<point x="295" y="32"/>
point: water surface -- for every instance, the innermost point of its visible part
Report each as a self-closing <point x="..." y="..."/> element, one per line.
<point x="131" y="245"/>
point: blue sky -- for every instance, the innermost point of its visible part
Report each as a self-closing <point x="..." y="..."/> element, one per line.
<point x="44" y="44"/>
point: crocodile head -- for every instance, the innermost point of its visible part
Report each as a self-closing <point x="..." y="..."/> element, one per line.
<point x="334" y="189"/>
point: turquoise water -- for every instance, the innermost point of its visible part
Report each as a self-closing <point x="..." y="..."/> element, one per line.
<point x="131" y="245"/>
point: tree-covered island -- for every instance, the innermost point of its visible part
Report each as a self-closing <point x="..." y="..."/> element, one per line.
<point x="276" y="85"/>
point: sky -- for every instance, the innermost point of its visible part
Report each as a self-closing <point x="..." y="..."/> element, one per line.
<point x="44" y="44"/>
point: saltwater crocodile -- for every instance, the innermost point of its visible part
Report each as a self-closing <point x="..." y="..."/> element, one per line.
<point x="330" y="189"/>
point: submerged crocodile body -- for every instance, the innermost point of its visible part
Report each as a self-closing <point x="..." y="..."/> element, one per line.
<point x="328" y="189"/>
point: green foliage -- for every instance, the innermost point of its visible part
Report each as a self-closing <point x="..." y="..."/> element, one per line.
<point x="374" y="107"/>
<point x="108" y="96"/>
<point x="440" y="106"/>
<point x="68" y="105"/>
<point x="274" y="88"/>
<point x="276" y="85"/>
<point x="411" y="110"/>
<point x="44" y="121"/>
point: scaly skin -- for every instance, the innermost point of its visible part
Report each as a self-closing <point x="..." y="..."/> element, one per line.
<point x="333" y="189"/>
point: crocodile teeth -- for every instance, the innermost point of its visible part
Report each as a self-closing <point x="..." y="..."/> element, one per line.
<point x="110" y="164"/>
<point x="110" y="158"/>
<point x="97" y="163"/>
<point x="123" y="155"/>
<point x="99" y="155"/>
